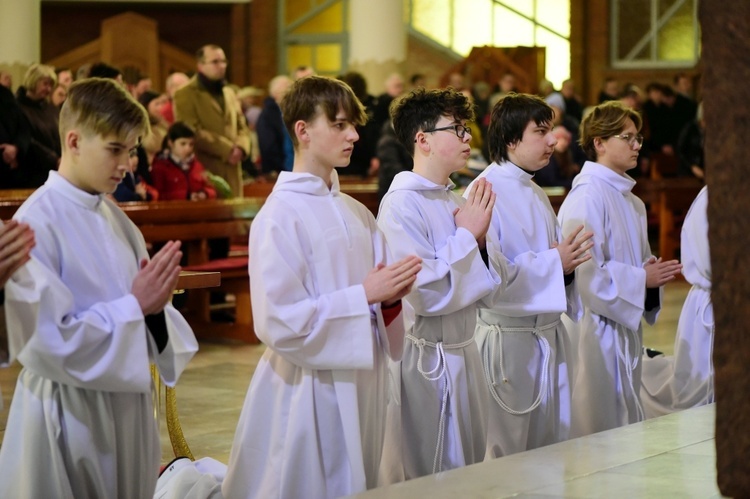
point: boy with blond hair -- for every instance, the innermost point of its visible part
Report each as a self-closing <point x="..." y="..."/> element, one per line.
<point x="86" y="317"/>
<point x="622" y="282"/>
<point x="327" y="304"/>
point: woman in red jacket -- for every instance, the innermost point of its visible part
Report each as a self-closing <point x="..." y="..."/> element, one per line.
<point x="178" y="174"/>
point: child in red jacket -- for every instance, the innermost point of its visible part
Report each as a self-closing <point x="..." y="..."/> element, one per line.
<point x="178" y="174"/>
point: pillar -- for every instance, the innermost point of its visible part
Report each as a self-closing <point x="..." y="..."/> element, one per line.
<point x="377" y="40"/>
<point x="726" y="39"/>
<point x="20" y="36"/>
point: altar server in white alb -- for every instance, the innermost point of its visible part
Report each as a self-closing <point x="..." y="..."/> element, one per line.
<point x="686" y="379"/>
<point x="326" y="302"/>
<point x="524" y="345"/>
<point x="443" y="403"/>
<point x="86" y="317"/>
<point x="622" y="283"/>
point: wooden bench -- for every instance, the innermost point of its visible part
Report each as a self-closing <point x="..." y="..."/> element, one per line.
<point x="363" y="190"/>
<point x="669" y="200"/>
<point x="195" y="223"/>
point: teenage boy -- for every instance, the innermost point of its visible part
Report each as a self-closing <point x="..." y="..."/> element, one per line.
<point x="87" y="316"/>
<point x="328" y="309"/>
<point x="622" y="282"/>
<point x="443" y="407"/>
<point x="524" y="346"/>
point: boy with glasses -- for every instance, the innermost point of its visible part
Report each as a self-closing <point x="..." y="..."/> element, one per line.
<point x="443" y="409"/>
<point x="621" y="283"/>
<point x="525" y="347"/>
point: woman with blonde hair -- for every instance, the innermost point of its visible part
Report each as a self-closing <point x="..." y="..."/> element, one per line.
<point x="42" y="116"/>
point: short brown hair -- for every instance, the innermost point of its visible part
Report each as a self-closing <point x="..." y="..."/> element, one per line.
<point x="312" y="94"/>
<point x="604" y="121"/>
<point x="101" y="106"/>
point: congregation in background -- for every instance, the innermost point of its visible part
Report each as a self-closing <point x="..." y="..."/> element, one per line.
<point x="466" y="321"/>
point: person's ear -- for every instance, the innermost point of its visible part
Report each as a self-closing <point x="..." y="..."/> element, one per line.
<point x="598" y="145"/>
<point x="73" y="141"/>
<point x="300" y="130"/>
<point x="421" y="142"/>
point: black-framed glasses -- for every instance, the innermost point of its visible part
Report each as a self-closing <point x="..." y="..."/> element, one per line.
<point x="460" y="130"/>
<point x="631" y="139"/>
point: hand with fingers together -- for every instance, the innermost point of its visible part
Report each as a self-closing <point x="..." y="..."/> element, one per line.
<point x="658" y="272"/>
<point x="16" y="242"/>
<point x="573" y="249"/>
<point x="476" y="214"/>
<point x="388" y="284"/>
<point x="155" y="282"/>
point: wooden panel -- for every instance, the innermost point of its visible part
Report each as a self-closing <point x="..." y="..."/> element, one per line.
<point x="131" y="40"/>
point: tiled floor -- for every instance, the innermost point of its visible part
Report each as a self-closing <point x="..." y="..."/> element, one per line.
<point x="212" y="390"/>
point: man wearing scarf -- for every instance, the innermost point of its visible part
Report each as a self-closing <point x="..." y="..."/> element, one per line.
<point x="212" y="109"/>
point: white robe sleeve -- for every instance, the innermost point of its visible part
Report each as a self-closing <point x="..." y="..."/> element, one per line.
<point x="610" y="288"/>
<point x="315" y="331"/>
<point x="534" y="285"/>
<point x="180" y="348"/>
<point x="453" y="276"/>
<point x="102" y="348"/>
<point x="574" y="305"/>
<point x="392" y="335"/>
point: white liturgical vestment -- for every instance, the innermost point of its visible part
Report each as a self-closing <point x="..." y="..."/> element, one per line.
<point x="82" y="420"/>
<point x="686" y="379"/>
<point x="443" y="407"/>
<point x="313" y="422"/>
<point x="524" y="345"/>
<point x="607" y="369"/>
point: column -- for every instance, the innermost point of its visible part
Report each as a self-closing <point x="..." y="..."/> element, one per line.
<point x="725" y="27"/>
<point x="377" y="40"/>
<point x="20" y="36"/>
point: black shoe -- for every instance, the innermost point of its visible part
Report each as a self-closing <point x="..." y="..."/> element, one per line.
<point x="651" y="353"/>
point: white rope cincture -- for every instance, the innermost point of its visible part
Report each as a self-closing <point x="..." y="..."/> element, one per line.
<point x="711" y="326"/>
<point x="496" y="340"/>
<point x="420" y="343"/>
<point x="630" y="366"/>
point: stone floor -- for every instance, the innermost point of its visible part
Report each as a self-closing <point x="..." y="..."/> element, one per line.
<point x="212" y="390"/>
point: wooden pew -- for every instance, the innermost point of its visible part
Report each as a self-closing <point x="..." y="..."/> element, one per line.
<point x="363" y="190"/>
<point x="195" y="223"/>
<point x="669" y="199"/>
<point x="10" y="200"/>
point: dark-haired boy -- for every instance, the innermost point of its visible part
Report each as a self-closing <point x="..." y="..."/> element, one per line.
<point x="86" y="318"/>
<point x="524" y="345"/>
<point x="443" y="408"/>
<point x="328" y="308"/>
